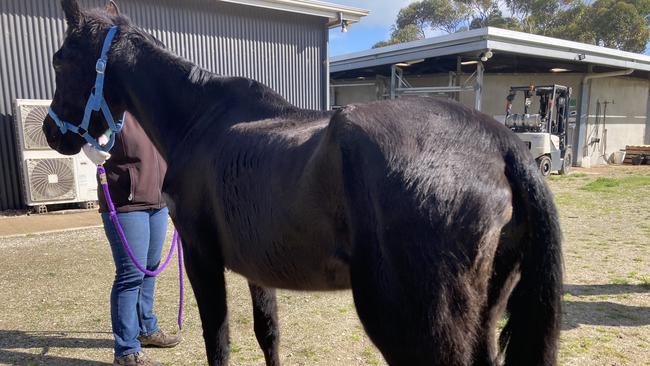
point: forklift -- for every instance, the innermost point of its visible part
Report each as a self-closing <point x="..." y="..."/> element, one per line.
<point x="545" y="132"/>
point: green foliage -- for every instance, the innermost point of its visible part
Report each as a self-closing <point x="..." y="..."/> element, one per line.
<point x="618" y="24"/>
<point x="408" y="33"/>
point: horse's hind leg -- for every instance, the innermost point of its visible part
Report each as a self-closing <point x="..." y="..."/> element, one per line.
<point x="421" y="296"/>
<point x="505" y="275"/>
<point x="414" y="315"/>
<point x="265" y="312"/>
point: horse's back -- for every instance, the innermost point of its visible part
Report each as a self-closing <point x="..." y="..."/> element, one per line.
<point x="447" y="158"/>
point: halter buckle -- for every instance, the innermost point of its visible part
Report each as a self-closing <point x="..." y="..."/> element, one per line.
<point x="100" y="66"/>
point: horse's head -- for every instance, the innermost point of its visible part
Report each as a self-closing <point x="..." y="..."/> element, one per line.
<point x="76" y="69"/>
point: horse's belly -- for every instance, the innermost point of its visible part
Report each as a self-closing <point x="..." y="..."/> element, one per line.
<point x="302" y="268"/>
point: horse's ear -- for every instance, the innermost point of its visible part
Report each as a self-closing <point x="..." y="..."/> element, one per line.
<point x="72" y="12"/>
<point x="112" y="9"/>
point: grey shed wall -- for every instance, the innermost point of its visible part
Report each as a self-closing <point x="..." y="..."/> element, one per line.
<point x="286" y="51"/>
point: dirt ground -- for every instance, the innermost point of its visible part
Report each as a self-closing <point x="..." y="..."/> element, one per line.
<point x="21" y="225"/>
<point x="54" y="291"/>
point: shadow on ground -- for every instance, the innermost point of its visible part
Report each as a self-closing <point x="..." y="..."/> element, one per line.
<point x="608" y="289"/>
<point x="604" y="313"/>
<point x="12" y="341"/>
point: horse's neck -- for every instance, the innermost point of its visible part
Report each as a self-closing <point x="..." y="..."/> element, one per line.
<point x="169" y="96"/>
<point x="159" y="97"/>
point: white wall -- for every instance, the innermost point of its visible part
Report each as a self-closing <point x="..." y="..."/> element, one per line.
<point x="625" y="121"/>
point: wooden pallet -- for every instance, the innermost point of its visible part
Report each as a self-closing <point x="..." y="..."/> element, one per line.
<point x="633" y="151"/>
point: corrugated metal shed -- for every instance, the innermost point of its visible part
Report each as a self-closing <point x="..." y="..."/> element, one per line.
<point x="287" y="51"/>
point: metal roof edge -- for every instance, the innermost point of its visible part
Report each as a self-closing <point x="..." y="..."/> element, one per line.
<point x="309" y="7"/>
<point x="408" y="47"/>
<point x="511" y="35"/>
<point x="564" y="49"/>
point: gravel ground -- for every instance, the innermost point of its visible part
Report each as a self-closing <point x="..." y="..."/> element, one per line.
<point x="55" y="289"/>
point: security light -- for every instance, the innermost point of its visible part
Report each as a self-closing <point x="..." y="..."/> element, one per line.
<point x="344" y="26"/>
<point x="486" y="55"/>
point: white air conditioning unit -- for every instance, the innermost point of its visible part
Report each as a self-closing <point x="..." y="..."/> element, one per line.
<point x="49" y="177"/>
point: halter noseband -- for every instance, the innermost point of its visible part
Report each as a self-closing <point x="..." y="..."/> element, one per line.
<point x="95" y="102"/>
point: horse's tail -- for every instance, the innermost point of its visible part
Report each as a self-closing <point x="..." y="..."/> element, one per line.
<point x="531" y="334"/>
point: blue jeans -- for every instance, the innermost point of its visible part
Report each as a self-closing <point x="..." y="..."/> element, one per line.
<point x="132" y="294"/>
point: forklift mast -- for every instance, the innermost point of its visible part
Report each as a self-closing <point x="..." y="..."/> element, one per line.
<point x="553" y="113"/>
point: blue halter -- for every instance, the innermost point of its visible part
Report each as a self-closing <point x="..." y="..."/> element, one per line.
<point x="95" y="102"/>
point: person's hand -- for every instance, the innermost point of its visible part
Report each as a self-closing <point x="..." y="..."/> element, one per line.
<point x="98" y="157"/>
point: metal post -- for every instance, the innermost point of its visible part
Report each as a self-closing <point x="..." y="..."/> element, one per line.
<point x="478" y="85"/>
<point x="393" y="81"/>
<point x="646" y="138"/>
<point x="583" y="117"/>
<point x="459" y="73"/>
<point x="326" y="74"/>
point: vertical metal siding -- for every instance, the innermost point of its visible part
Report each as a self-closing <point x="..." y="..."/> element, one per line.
<point x="282" y="50"/>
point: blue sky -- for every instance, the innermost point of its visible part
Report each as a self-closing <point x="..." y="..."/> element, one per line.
<point x="372" y="29"/>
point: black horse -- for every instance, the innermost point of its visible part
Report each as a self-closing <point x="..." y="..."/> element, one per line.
<point x="433" y="214"/>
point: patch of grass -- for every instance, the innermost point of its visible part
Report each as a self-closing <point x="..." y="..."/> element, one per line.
<point x="619" y="281"/>
<point x="356" y="336"/>
<point x="344" y="309"/>
<point x="602" y="184"/>
<point x="502" y="323"/>
<point x="579" y="346"/>
<point x="573" y="200"/>
<point x="370" y="357"/>
<point x="607" y="351"/>
<point x="569" y="176"/>
<point x="607" y="184"/>
<point x="309" y="354"/>
<point x="243" y="320"/>
<point x="645" y="281"/>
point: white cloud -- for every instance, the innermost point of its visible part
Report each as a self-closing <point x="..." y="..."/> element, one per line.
<point x="382" y="12"/>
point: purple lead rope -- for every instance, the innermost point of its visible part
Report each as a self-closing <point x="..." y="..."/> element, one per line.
<point x="176" y="243"/>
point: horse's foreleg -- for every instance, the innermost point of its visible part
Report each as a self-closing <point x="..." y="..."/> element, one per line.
<point x="265" y="312"/>
<point x="207" y="277"/>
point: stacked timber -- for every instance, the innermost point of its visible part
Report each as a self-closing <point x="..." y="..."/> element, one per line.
<point x="637" y="155"/>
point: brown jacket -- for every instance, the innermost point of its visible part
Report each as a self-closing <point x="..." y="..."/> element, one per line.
<point x="135" y="171"/>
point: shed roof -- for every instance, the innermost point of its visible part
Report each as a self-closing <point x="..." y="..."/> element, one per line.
<point x="510" y="43"/>
<point x="333" y="12"/>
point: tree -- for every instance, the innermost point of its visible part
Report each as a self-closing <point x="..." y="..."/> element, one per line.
<point x="621" y="24"/>
<point x="574" y="24"/>
<point x="534" y="16"/>
<point x="618" y="24"/>
<point x="408" y="33"/>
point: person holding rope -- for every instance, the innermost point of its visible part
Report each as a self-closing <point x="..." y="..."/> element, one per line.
<point x="135" y="173"/>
